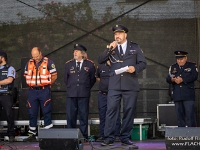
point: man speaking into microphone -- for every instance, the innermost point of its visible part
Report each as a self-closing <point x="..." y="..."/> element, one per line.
<point x="127" y="60"/>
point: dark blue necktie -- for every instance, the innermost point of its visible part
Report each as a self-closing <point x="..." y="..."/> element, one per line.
<point x="78" y="66"/>
<point x="121" y="51"/>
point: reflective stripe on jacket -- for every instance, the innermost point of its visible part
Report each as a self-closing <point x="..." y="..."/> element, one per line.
<point x="38" y="76"/>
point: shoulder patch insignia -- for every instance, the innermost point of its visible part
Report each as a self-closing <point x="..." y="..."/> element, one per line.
<point x="12" y="72"/>
<point x="52" y="65"/>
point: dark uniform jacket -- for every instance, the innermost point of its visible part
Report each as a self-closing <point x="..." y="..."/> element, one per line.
<point x="103" y="72"/>
<point x="133" y="57"/>
<point x="186" y="89"/>
<point x="80" y="83"/>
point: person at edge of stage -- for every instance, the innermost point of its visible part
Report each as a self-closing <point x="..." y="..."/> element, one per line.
<point x="79" y="77"/>
<point x="127" y="60"/>
<point x="182" y="76"/>
<point x="40" y="73"/>
<point x="7" y="77"/>
<point x="102" y="75"/>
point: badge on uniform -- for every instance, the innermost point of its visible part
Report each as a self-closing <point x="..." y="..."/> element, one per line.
<point x="132" y="51"/>
<point x="53" y="66"/>
<point x="187" y="69"/>
<point x="86" y="69"/>
<point x="12" y="72"/>
<point x="72" y="69"/>
<point x="174" y="71"/>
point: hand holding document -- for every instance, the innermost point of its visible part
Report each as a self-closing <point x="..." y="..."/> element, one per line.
<point x="121" y="70"/>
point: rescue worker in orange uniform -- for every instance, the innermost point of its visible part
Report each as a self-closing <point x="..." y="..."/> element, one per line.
<point x="40" y="73"/>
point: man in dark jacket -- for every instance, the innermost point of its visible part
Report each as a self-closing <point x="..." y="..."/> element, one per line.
<point x="102" y="75"/>
<point x="182" y="76"/>
<point x="127" y="60"/>
<point x="79" y="77"/>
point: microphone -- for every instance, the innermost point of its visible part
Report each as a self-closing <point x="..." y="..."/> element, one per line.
<point x="111" y="47"/>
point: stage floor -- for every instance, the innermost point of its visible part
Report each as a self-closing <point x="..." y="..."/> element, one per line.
<point x="154" y="144"/>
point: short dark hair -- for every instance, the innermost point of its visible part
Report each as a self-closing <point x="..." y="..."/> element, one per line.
<point x="4" y="55"/>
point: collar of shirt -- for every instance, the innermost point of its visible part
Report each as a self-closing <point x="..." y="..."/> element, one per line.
<point x="80" y="63"/>
<point x="124" y="46"/>
<point x="1" y="67"/>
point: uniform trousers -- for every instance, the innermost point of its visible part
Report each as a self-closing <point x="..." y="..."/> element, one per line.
<point x="36" y="99"/>
<point x="78" y="106"/>
<point x="185" y="111"/>
<point x="113" y="106"/>
<point x="6" y="102"/>
<point x="102" y="106"/>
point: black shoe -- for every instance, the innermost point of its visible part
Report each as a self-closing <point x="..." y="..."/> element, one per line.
<point x="11" y="138"/>
<point x="129" y="143"/>
<point x="100" y="139"/>
<point x="30" y="138"/>
<point x="107" y="142"/>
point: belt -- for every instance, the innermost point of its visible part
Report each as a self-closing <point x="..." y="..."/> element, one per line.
<point x="104" y="93"/>
<point x="39" y="87"/>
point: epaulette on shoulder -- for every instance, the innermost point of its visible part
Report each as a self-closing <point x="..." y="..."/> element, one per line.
<point x="173" y="64"/>
<point x="133" y="43"/>
<point x="7" y="66"/>
<point x="91" y="61"/>
<point x="191" y="62"/>
<point x="69" y="61"/>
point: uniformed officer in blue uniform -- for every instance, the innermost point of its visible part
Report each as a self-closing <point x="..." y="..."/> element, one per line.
<point x="7" y="77"/>
<point x="79" y="77"/>
<point x="182" y="76"/>
<point x="102" y="75"/>
<point x="123" y="84"/>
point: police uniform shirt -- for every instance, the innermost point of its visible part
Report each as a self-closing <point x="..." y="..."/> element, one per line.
<point x="51" y="66"/>
<point x="103" y="72"/>
<point x="11" y="73"/>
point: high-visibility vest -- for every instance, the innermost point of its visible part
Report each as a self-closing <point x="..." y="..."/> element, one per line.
<point x="38" y="76"/>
